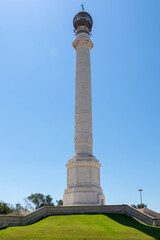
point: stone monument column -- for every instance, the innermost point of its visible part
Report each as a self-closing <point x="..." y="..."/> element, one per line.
<point x="83" y="107"/>
<point x="83" y="169"/>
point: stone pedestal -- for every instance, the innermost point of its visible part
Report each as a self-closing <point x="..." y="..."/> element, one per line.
<point x="83" y="182"/>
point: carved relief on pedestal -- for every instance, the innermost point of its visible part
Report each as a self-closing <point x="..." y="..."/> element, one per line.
<point x="83" y="149"/>
<point x="83" y="143"/>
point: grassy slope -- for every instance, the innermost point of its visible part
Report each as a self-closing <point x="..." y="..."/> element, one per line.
<point x="110" y="226"/>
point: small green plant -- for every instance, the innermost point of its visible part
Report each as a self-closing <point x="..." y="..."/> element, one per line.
<point x="139" y="206"/>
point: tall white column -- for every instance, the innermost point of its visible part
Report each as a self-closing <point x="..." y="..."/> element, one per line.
<point x="83" y="108"/>
<point x="83" y="169"/>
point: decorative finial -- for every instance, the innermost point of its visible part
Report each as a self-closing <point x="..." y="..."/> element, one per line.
<point x="82" y="22"/>
<point x="82" y="7"/>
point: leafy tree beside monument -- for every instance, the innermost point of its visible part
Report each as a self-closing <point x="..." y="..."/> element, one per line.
<point x="59" y="202"/>
<point x="38" y="200"/>
<point x="6" y="208"/>
<point x="139" y="206"/>
<point x="32" y="202"/>
<point x="19" y="207"/>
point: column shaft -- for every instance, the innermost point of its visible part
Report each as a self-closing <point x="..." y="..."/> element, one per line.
<point x="83" y="106"/>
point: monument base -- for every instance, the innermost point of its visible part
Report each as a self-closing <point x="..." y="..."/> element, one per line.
<point x="83" y="182"/>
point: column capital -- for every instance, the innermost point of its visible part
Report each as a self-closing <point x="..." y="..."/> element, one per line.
<point x="82" y="42"/>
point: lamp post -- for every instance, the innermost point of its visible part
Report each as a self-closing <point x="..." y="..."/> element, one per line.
<point x="140" y="191"/>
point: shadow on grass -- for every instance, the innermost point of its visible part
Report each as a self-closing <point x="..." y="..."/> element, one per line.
<point x="130" y="222"/>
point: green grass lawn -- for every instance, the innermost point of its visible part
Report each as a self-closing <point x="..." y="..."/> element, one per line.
<point x="110" y="226"/>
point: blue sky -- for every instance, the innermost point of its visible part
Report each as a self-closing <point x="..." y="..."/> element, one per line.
<point x="37" y="81"/>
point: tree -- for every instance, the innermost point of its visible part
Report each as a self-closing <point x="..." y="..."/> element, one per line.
<point x="59" y="202"/>
<point x="48" y="201"/>
<point x="28" y="205"/>
<point x="6" y="208"/>
<point x="19" y="207"/>
<point x="139" y="206"/>
<point x="38" y="200"/>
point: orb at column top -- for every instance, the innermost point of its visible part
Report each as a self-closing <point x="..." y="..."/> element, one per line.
<point x="82" y="22"/>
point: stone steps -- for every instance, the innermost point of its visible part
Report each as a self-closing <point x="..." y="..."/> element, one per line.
<point x="29" y="218"/>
